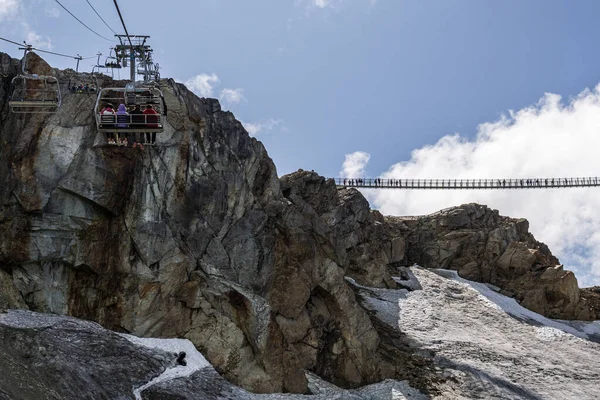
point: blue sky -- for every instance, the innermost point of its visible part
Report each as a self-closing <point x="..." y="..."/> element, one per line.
<point x="317" y="80"/>
<point x="383" y="77"/>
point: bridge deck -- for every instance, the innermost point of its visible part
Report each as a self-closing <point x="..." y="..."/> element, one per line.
<point x="472" y="184"/>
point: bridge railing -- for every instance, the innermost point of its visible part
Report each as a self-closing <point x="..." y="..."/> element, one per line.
<point x="525" y="183"/>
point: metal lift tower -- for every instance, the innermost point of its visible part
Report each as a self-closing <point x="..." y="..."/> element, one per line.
<point x="133" y="49"/>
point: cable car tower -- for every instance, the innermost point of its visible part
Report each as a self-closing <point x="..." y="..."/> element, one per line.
<point x="139" y="106"/>
<point x="33" y="93"/>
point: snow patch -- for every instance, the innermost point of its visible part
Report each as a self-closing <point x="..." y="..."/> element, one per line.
<point x="194" y="359"/>
<point x="547" y="333"/>
<point x="491" y="347"/>
<point x="383" y="301"/>
<point x="580" y="329"/>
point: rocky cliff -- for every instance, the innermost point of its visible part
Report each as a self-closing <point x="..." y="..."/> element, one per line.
<point x="193" y="238"/>
<point x="486" y="247"/>
<point x="198" y="238"/>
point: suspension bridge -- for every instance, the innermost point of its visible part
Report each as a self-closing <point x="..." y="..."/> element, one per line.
<point x="468" y="184"/>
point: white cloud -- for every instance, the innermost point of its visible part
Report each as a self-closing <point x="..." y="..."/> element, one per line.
<point x="202" y="84"/>
<point x="254" y="128"/>
<point x="232" y="96"/>
<point x="549" y="139"/>
<point x="35" y="39"/>
<point x="355" y="165"/>
<point x="52" y="12"/>
<point x="9" y="8"/>
<point x="322" y="4"/>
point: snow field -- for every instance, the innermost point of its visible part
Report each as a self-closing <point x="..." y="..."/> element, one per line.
<point x="194" y="359"/>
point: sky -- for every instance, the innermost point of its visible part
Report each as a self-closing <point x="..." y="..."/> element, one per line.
<point x="390" y="88"/>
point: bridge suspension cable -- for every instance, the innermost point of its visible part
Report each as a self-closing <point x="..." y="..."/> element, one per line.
<point x="468" y="184"/>
<point x="81" y="22"/>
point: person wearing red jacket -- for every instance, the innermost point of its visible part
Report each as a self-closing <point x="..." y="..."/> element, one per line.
<point x="151" y="122"/>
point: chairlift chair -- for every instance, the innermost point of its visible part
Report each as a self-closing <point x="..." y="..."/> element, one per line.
<point x="131" y="123"/>
<point x="35" y="94"/>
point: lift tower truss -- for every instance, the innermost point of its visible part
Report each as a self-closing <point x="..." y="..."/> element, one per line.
<point x="133" y="49"/>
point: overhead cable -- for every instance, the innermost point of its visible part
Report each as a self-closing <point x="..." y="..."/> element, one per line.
<point x="10" y="41"/>
<point x="123" y="22"/>
<point x="45" y="51"/>
<point x="101" y="17"/>
<point x="56" y="54"/>
<point x="82" y="22"/>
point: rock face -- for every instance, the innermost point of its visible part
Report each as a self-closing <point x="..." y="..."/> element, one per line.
<point x="486" y="247"/>
<point x="198" y="238"/>
<point x="193" y="238"/>
<point x="362" y="238"/>
<point x="53" y="357"/>
<point x="56" y="357"/>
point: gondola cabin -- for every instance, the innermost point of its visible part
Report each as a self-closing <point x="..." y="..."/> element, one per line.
<point x="34" y="94"/>
<point x="130" y="109"/>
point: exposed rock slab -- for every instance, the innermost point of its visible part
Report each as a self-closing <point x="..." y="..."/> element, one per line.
<point x="55" y="357"/>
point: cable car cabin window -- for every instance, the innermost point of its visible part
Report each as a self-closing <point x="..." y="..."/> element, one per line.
<point x="33" y="94"/>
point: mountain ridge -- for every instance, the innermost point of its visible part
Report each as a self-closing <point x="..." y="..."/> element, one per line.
<point x="198" y="238"/>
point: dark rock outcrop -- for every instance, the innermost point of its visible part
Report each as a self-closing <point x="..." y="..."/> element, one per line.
<point x="363" y="241"/>
<point x="56" y="357"/>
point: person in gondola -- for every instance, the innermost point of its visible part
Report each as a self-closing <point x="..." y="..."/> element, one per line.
<point x="122" y="122"/>
<point x="151" y="122"/>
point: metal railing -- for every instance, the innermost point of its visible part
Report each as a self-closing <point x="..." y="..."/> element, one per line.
<point x="35" y="95"/>
<point x="473" y="184"/>
<point x="132" y="121"/>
